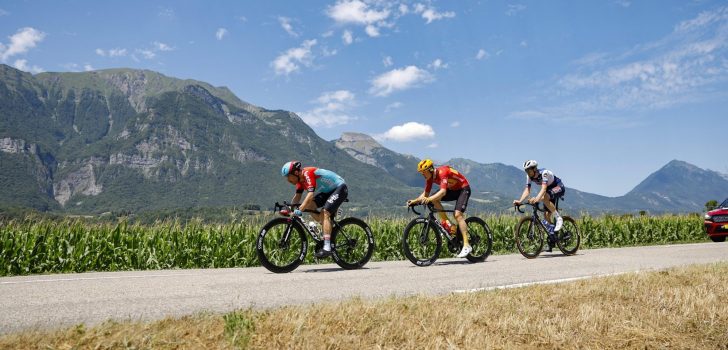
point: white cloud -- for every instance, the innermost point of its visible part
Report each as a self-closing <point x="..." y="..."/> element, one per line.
<point x="437" y="64"/>
<point x="3" y="13"/>
<point x="515" y="9"/>
<point x="372" y="31"/>
<point x="392" y="106"/>
<point x="20" y="42"/>
<point x="87" y="67"/>
<point x="162" y="46"/>
<point x="686" y="66"/>
<point x="148" y="54"/>
<point x="347" y="37"/>
<point x="101" y="52"/>
<point x="117" y="52"/>
<point x="399" y="79"/>
<point x="355" y="12"/>
<point x="286" y="25"/>
<point x="387" y="61"/>
<point x="242" y="18"/>
<point x="23" y="65"/>
<point x="608" y="89"/>
<point x="403" y="9"/>
<point x="407" y="132"/>
<point x="165" y="12"/>
<point x="430" y="14"/>
<point x="455" y="124"/>
<point x="623" y="3"/>
<point x="524" y="43"/>
<point x="291" y="60"/>
<point x="332" y="109"/>
<point x="327" y="34"/>
<point x="220" y="34"/>
<point x="326" y="52"/>
<point x="432" y="145"/>
<point x="482" y="54"/>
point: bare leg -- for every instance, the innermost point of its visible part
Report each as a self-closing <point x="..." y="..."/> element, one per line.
<point x="463" y="226"/>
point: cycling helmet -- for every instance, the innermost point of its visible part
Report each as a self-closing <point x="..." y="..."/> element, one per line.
<point x="425" y="164"/>
<point x="290" y="167"/>
<point x="530" y="164"/>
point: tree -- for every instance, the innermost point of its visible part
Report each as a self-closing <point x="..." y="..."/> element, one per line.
<point x="711" y="204"/>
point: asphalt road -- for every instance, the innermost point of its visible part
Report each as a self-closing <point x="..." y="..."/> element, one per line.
<point x="52" y="301"/>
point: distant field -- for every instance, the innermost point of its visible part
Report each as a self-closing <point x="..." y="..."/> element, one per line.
<point x="678" y="308"/>
<point x="32" y="245"/>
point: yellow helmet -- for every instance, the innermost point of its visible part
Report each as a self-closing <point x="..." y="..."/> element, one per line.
<point x="425" y="164"/>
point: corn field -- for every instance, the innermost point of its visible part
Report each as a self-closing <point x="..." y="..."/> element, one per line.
<point x="33" y="246"/>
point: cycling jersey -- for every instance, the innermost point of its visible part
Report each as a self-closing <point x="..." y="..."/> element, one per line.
<point x="448" y="178"/>
<point x="319" y="179"/>
<point x="543" y="177"/>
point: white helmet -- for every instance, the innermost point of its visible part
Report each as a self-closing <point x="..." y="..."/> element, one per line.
<point x="529" y="164"/>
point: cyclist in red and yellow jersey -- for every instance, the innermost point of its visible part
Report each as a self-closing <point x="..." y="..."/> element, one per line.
<point x="453" y="187"/>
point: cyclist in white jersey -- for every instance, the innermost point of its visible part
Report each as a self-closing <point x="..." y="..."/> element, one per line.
<point x="551" y="189"/>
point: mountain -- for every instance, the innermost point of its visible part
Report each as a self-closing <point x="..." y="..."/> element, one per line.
<point x="680" y="186"/>
<point x="124" y="139"/>
<point x="677" y="187"/>
<point x="367" y="150"/>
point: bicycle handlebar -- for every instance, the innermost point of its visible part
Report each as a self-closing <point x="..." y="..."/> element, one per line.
<point x="537" y="206"/>
<point x="429" y="206"/>
<point x="290" y="206"/>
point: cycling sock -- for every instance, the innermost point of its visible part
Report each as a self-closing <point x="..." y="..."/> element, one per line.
<point x="327" y="244"/>
<point x="556" y="215"/>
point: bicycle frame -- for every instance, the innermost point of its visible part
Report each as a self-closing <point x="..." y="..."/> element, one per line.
<point x="293" y="218"/>
<point x="431" y="219"/>
<point x="534" y="217"/>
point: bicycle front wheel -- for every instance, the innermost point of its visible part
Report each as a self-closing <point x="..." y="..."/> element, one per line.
<point x="529" y="238"/>
<point x="281" y="245"/>
<point x="569" y="237"/>
<point x="421" y="243"/>
<point x="352" y="243"/>
<point x="480" y="238"/>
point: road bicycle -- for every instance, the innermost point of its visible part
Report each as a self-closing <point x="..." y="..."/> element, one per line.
<point x="282" y="244"/>
<point x="530" y="233"/>
<point x="423" y="237"/>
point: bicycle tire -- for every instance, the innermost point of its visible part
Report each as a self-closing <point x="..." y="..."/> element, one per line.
<point x="347" y="241"/>
<point x="268" y="245"/>
<point x="416" y="250"/>
<point x="529" y="234"/>
<point x="479" y="230"/>
<point x="570" y="244"/>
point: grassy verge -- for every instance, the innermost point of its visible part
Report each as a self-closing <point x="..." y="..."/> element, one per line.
<point x="678" y="308"/>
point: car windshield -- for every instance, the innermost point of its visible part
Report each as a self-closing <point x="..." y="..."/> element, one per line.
<point x="724" y="204"/>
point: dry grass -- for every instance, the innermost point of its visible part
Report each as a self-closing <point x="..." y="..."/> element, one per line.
<point x="677" y="309"/>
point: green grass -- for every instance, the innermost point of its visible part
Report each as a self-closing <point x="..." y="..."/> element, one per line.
<point x="35" y="245"/>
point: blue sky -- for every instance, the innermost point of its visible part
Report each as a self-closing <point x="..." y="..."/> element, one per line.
<point x="601" y="92"/>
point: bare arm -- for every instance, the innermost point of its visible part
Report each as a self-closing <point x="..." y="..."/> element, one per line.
<point x="437" y="196"/>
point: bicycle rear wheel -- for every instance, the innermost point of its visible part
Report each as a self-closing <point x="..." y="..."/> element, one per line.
<point x="276" y="253"/>
<point x="569" y="237"/>
<point x="352" y="243"/>
<point x="529" y="238"/>
<point x="421" y="243"/>
<point x="480" y="238"/>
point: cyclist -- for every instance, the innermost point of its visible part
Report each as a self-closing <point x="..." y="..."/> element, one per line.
<point x="333" y="192"/>
<point x="453" y="187"/>
<point x="551" y="189"/>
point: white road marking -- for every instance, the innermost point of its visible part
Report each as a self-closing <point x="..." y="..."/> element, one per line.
<point x="526" y="284"/>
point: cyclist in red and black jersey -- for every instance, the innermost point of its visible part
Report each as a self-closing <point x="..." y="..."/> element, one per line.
<point x="453" y="187"/>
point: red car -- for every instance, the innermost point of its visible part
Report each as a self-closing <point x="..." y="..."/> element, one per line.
<point x="716" y="222"/>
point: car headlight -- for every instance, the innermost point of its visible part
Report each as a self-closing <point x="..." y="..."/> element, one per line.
<point x="708" y="217"/>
